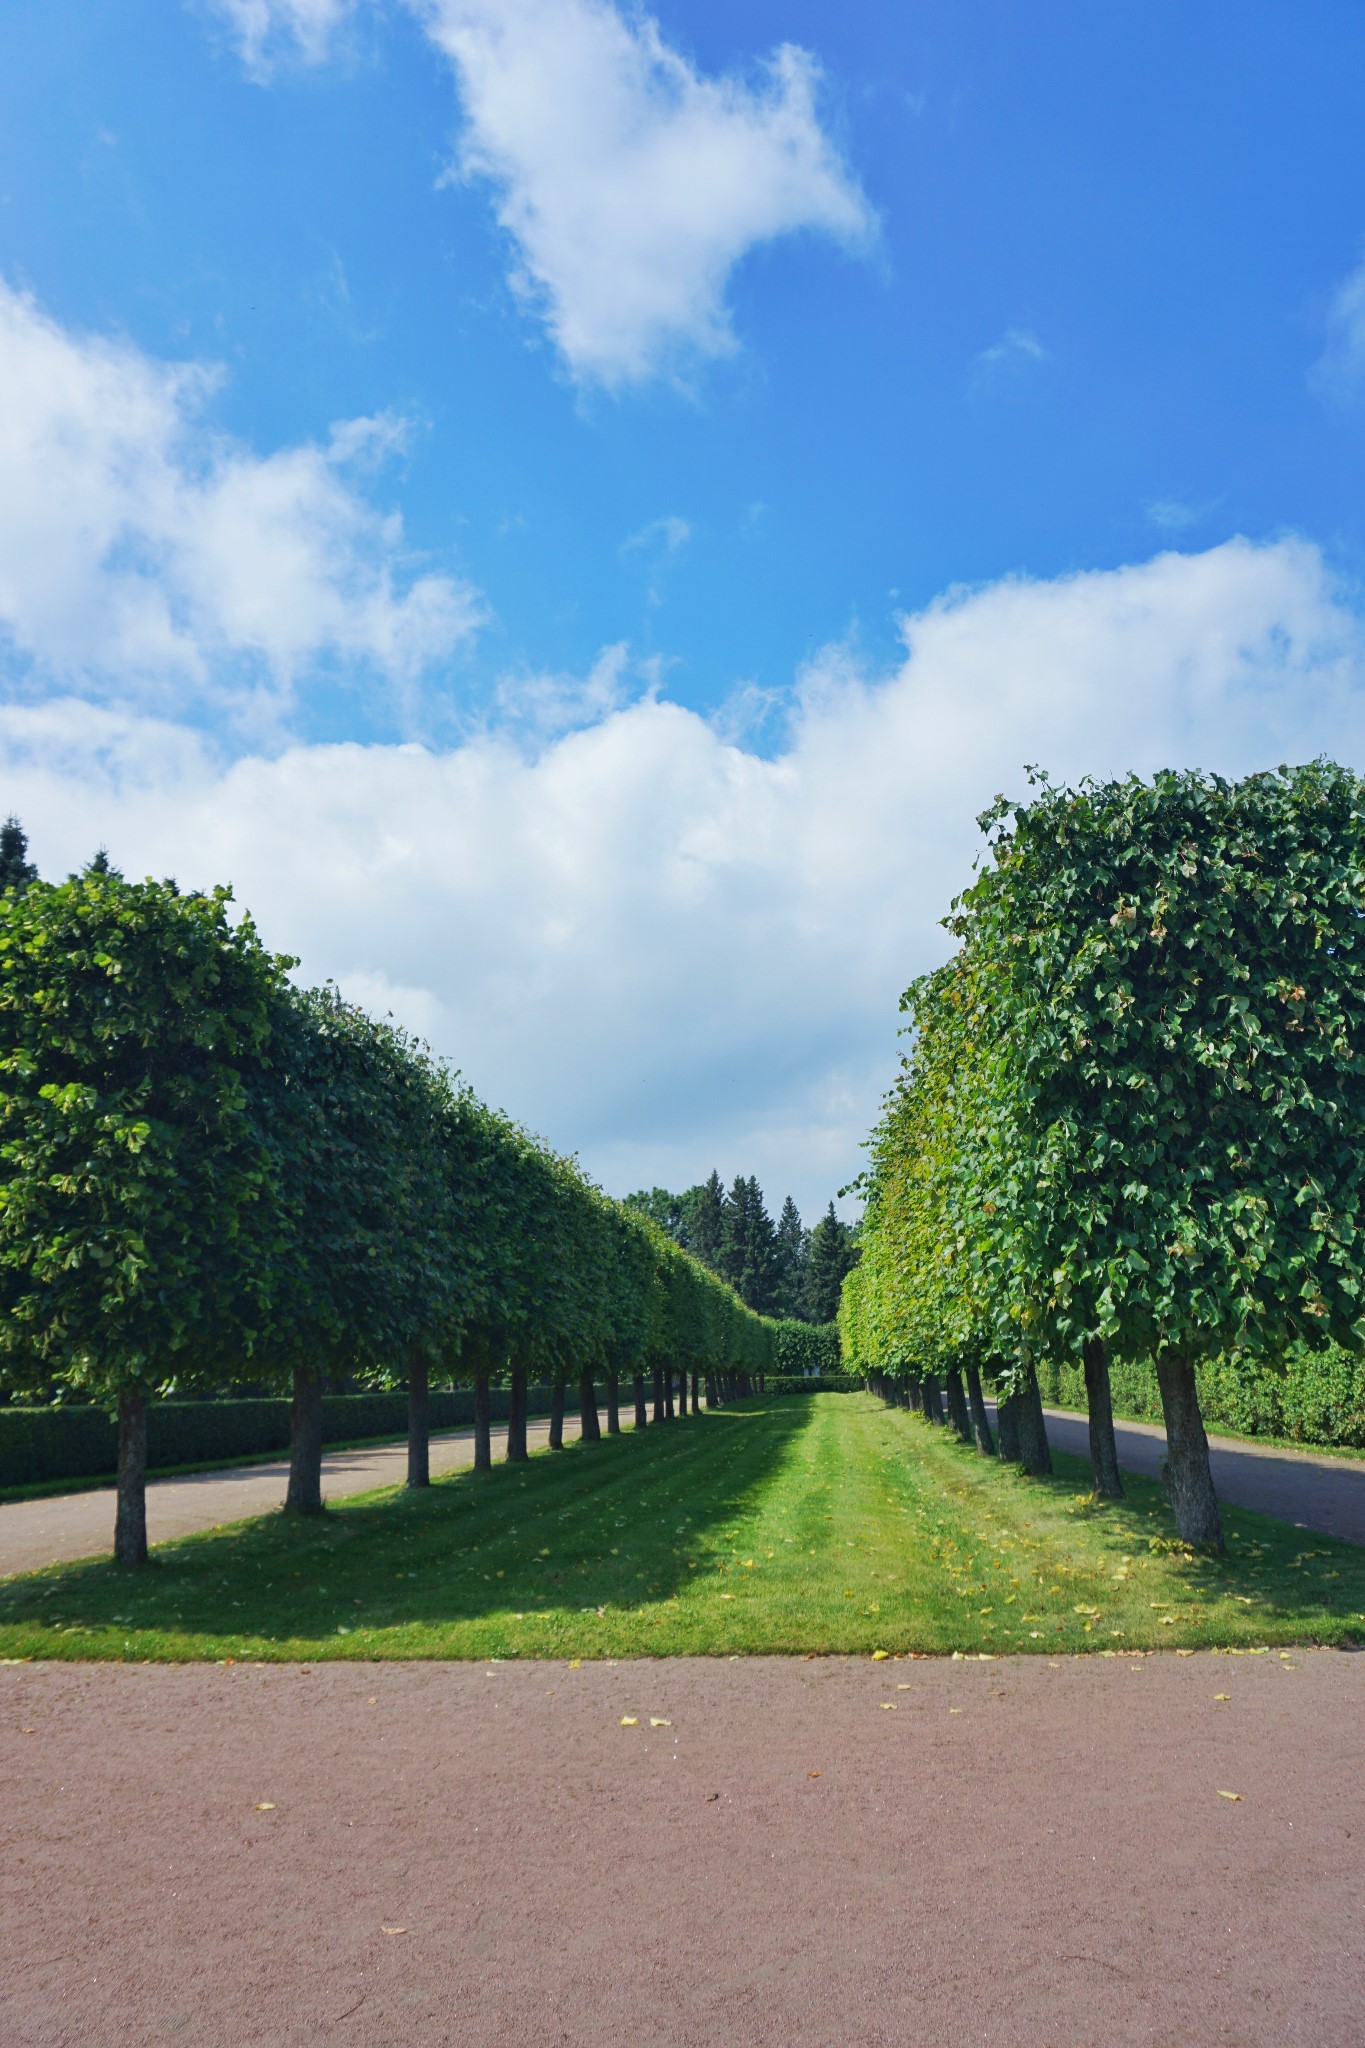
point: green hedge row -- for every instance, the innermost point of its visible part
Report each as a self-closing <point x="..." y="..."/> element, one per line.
<point x="821" y="1383"/>
<point x="806" y="1347"/>
<point x="39" y="1444"/>
<point x="1312" y="1398"/>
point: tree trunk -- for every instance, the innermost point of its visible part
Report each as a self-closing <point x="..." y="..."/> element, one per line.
<point x="696" y="1393"/>
<point x="613" y="1404"/>
<point x="130" y="1514"/>
<point x="516" y="1418"/>
<point x="712" y="1391"/>
<point x="590" y="1429"/>
<point x="304" y="1496"/>
<point x="668" y="1395"/>
<point x="641" y="1418"/>
<point x="1007" y="1424"/>
<point x="1034" y="1455"/>
<point x="1185" y="1473"/>
<point x="957" y="1407"/>
<point x="1104" y="1454"/>
<point x="483" y="1447"/>
<point x="682" y="1393"/>
<point x="658" y="1393"/>
<point x="981" y="1427"/>
<point x="419" y="1423"/>
<point x="557" y="1416"/>
<point x="933" y="1398"/>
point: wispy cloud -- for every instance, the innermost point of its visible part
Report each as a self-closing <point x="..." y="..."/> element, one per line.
<point x="1016" y="345"/>
<point x="1339" y="372"/>
<point x="144" y="551"/>
<point x="270" y="32"/>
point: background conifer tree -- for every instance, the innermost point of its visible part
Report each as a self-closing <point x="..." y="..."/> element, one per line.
<point x="16" y="869"/>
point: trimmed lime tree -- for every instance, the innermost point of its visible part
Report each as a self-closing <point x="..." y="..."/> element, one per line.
<point x="139" y="1229"/>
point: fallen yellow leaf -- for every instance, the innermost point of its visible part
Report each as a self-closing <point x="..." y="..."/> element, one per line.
<point x="630" y="1720"/>
<point x="1229" y="1795"/>
<point x="880" y="1656"/>
<point x="393" y="1930"/>
<point x="658" y="1721"/>
<point x="264" y="1806"/>
<point x="1222" y="1695"/>
<point x="812" y="1774"/>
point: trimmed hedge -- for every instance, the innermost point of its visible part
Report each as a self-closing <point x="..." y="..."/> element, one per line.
<point x="1312" y="1398"/>
<point x="806" y="1348"/>
<point x="822" y="1383"/>
<point x="39" y="1444"/>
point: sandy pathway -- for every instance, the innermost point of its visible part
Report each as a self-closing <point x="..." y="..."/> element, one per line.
<point x="1020" y="1855"/>
<point x="71" y="1525"/>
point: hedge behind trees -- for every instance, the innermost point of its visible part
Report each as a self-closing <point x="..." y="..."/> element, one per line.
<point x="805" y="1348"/>
<point x="1312" y="1397"/>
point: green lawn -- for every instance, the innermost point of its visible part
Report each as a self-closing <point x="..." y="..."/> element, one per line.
<point x="806" y="1523"/>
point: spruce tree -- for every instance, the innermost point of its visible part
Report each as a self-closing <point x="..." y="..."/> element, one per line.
<point x="703" y="1220"/>
<point x="832" y="1254"/>
<point x="792" y="1252"/>
<point x="16" y="869"/>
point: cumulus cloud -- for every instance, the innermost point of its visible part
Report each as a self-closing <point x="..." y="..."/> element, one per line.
<point x="142" y="550"/>
<point x="630" y="183"/>
<point x="1339" y="372"/>
<point x="664" y="949"/>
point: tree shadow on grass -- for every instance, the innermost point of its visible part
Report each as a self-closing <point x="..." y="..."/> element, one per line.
<point x="595" y="1530"/>
<point x="1285" y="1579"/>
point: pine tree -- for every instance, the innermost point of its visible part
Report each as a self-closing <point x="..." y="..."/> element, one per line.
<point x="792" y="1253"/>
<point x="16" y="869"/>
<point x="703" y="1220"/>
<point x="832" y="1254"/>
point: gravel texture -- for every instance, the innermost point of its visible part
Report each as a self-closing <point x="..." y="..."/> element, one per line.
<point x="817" y="1851"/>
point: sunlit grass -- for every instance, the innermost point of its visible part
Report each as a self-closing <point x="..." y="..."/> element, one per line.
<point x="822" y="1523"/>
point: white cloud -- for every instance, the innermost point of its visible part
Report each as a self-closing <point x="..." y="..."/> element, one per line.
<point x="142" y="550"/>
<point x="659" y="947"/>
<point x="268" y="31"/>
<point x="1016" y="347"/>
<point x="1339" y="372"/>
<point x="630" y="184"/>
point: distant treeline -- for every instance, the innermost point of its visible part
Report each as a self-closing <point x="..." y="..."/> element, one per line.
<point x="776" y="1269"/>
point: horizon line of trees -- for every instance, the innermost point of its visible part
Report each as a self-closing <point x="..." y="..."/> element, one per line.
<point x="777" y="1269"/>
<point x="209" y="1176"/>
<point x="1131" y="1124"/>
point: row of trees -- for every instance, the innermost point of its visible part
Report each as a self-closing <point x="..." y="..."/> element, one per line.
<point x="1132" y="1119"/>
<point x="777" y="1269"/>
<point x="210" y="1177"/>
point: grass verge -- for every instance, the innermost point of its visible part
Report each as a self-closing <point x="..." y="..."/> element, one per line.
<point x="821" y="1523"/>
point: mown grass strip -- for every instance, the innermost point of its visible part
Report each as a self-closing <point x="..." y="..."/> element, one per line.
<point x="819" y="1524"/>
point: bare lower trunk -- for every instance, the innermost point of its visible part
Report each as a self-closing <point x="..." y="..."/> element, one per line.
<point x="304" y="1495"/>
<point x="1104" y="1454"/>
<point x="419" y="1424"/>
<point x="668" y="1396"/>
<point x="957" y="1406"/>
<point x="933" y="1398"/>
<point x="516" y="1417"/>
<point x="589" y="1427"/>
<point x="1034" y="1455"/>
<point x="658" y="1393"/>
<point x="1007" y="1424"/>
<point x="641" y="1418"/>
<point x="613" y="1404"/>
<point x="682" y="1395"/>
<point x="483" y="1445"/>
<point x="1186" y="1475"/>
<point x="130" y="1513"/>
<point x="557" y="1416"/>
<point x="696" y="1393"/>
<point x="981" y="1428"/>
<point x="712" y="1391"/>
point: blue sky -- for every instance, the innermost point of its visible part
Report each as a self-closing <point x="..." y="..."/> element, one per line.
<point x="573" y="509"/>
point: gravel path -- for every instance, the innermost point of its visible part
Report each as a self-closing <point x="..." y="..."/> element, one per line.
<point x="1020" y="1855"/>
<point x="1311" y="1489"/>
<point x="71" y="1525"/>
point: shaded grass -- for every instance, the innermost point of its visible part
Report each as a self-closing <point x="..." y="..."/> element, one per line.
<point x="815" y="1523"/>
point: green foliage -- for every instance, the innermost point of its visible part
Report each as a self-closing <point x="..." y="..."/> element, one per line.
<point x="821" y="1383"/>
<point x="805" y="1347"/>
<point x="38" y="1444"/>
<point x="1310" y="1397"/>
<point x="138" y="1234"/>
<point x="16" y="869"/>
